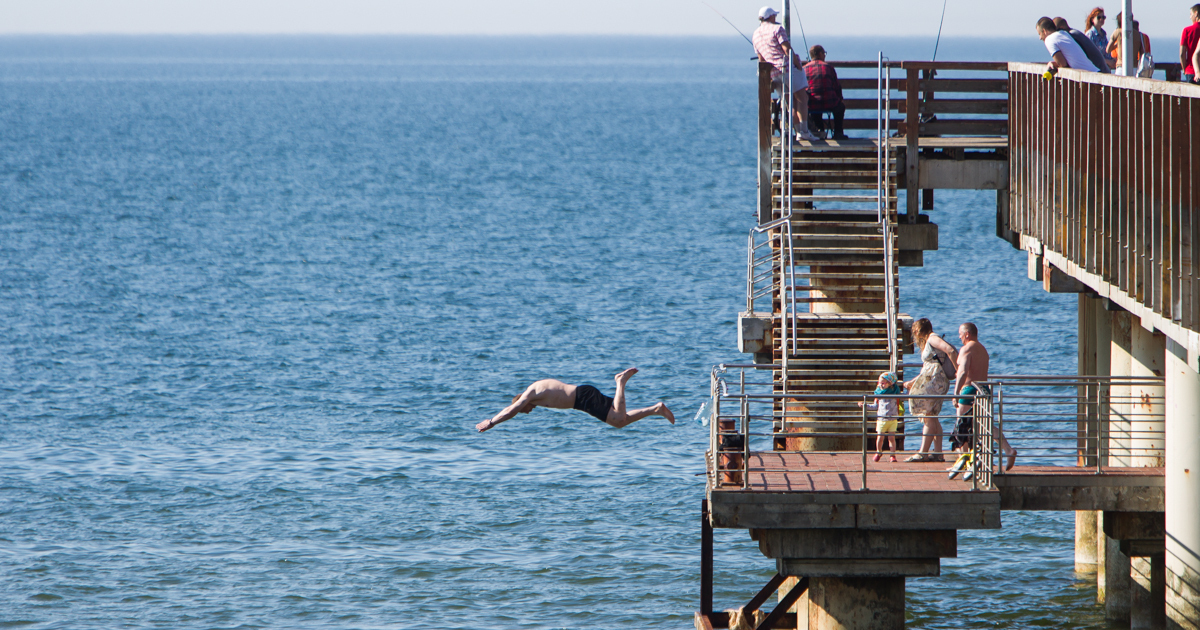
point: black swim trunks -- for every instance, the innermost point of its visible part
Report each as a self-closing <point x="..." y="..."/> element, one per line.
<point x="964" y="427"/>
<point x="589" y="400"/>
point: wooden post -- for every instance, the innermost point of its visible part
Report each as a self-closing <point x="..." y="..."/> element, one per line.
<point x="706" y="560"/>
<point x="912" y="130"/>
<point x="764" y="143"/>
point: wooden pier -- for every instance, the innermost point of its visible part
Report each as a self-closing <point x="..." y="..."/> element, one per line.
<point x="1098" y="178"/>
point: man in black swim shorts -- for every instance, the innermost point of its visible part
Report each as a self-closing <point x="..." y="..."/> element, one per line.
<point x="559" y="395"/>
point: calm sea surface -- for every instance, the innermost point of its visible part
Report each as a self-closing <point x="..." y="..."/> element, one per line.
<point x="256" y="292"/>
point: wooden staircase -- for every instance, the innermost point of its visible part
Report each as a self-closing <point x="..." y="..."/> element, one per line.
<point x="839" y="344"/>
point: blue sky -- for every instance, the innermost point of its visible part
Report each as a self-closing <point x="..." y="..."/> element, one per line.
<point x="1161" y="19"/>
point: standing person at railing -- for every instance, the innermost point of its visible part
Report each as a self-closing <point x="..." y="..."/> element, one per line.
<point x="1093" y="27"/>
<point x="824" y="92"/>
<point x="559" y="395"/>
<point x="938" y="358"/>
<point x="1189" y="47"/>
<point x="887" y="412"/>
<point x="773" y="46"/>
<point x="1141" y="44"/>
<point x="973" y="362"/>
<point x="1093" y="53"/>
<point x="1064" y="52"/>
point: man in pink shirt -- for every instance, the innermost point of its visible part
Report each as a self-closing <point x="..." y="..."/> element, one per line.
<point x="1189" y="52"/>
<point x="773" y="46"/>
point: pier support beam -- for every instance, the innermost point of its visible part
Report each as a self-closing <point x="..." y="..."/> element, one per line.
<point x="1182" y="490"/>
<point x="856" y="604"/>
<point x="1085" y="521"/>
<point x="1146" y="406"/>
<point x="1147" y="611"/>
<point x="1112" y="576"/>
<point x="856" y="577"/>
<point x="1120" y="364"/>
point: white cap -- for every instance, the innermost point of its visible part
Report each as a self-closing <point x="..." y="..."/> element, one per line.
<point x="767" y="13"/>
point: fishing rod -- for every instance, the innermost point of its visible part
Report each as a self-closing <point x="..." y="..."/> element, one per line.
<point x="936" y="43"/>
<point x="739" y="31"/>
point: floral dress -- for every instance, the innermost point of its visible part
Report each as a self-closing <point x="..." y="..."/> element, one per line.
<point x="931" y="381"/>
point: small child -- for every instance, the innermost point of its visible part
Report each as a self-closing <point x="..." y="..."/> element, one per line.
<point x="888" y="412"/>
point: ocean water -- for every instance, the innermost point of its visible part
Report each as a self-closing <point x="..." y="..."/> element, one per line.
<point x="256" y="292"/>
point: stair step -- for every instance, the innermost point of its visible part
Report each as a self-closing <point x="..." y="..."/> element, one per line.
<point x="875" y="234"/>
<point x="842" y="276"/>
<point x="826" y="185"/>
<point x="865" y="173"/>
<point x="873" y="225"/>
<point x="830" y="198"/>
<point x="812" y="159"/>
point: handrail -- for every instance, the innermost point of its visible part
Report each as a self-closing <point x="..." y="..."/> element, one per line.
<point x="882" y="191"/>
<point x="1105" y="424"/>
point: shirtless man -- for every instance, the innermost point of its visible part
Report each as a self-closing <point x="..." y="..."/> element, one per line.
<point x="559" y="395"/>
<point x="973" y="368"/>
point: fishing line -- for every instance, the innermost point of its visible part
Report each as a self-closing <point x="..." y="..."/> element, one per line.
<point x="939" y="35"/>
<point x="739" y="31"/>
<point x="800" y="23"/>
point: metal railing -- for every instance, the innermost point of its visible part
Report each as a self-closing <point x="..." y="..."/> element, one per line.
<point x="883" y="187"/>
<point x="1105" y="425"/>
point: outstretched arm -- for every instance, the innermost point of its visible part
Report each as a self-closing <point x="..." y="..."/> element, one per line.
<point x="942" y="345"/>
<point x="506" y="414"/>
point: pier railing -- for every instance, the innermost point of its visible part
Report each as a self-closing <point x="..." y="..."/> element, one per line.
<point x="1103" y="177"/>
<point x="1103" y="424"/>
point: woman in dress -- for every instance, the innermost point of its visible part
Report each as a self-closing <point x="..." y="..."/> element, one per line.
<point x="938" y="361"/>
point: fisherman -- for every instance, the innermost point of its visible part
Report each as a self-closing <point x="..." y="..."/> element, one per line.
<point x="559" y="395"/>
<point x="773" y="46"/>
<point x="973" y="362"/>
<point x="825" y="92"/>
<point x="1064" y="52"/>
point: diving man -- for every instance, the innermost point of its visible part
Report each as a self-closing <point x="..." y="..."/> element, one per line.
<point x="559" y="395"/>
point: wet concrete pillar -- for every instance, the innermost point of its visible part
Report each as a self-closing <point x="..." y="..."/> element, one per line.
<point x="1102" y="330"/>
<point x="1148" y="576"/>
<point x="1120" y="359"/>
<point x="856" y="603"/>
<point x="1146" y="408"/>
<point x="1112" y="576"/>
<point x="1085" y="521"/>
<point x="1182" y="489"/>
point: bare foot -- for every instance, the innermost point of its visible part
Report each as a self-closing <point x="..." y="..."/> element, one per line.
<point x="485" y="425"/>
<point x="1012" y="459"/>
<point x="666" y="413"/>
<point x="624" y="376"/>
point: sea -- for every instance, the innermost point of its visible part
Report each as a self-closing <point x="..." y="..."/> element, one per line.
<point x="256" y="292"/>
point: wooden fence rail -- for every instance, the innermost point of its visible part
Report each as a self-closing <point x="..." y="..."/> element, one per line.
<point x="1105" y="171"/>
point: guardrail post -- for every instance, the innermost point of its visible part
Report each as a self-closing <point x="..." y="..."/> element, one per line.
<point x="864" y="443"/>
<point x="764" y="143"/>
<point x="912" y="131"/>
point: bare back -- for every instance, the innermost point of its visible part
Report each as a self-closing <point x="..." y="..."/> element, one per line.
<point x="550" y="393"/>
<point x="972" y="364"/>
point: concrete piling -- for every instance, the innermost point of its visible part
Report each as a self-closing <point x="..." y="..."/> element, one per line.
<point x="1182" y="545"/>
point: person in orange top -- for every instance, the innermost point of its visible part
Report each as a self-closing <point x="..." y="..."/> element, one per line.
<point x="1140" y="44"/>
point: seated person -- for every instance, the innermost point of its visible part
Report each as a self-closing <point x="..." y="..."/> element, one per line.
<point x="824" y="93"/>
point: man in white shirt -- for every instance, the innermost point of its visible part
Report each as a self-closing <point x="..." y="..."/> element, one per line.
<point x="772" y="45"/>
<point x="1064" y="52"/>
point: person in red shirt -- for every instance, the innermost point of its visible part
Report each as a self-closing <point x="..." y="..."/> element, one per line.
<point x="1189" y="52"/>
<point x="824" y="92"/>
